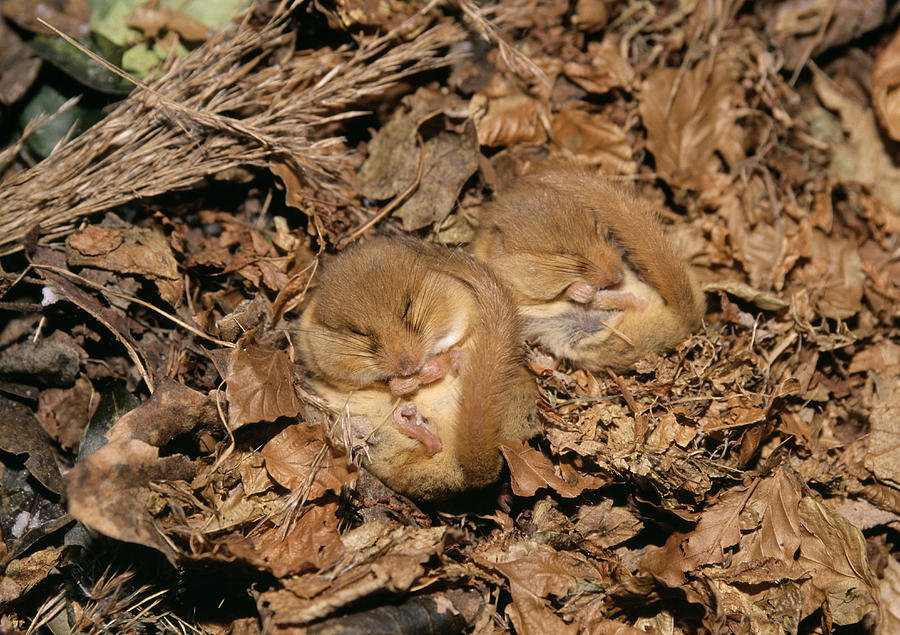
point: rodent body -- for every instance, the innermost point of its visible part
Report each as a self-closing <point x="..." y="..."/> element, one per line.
<point x="648" y="303"/>
<point x="421" y="345"/>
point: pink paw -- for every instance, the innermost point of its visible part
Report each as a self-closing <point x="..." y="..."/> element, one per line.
<point x="435" y="368"/>
<point x="581" y="292"/>
<point x="404" y="385"/>
<point x="415" y="426"/>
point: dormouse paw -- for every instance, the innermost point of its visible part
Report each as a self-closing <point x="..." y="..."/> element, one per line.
<point x="411" y="423"/>
<point x="581" y="292"/>
<point x="431" y="371"/>
<point x="435" y="368"/>
<point x="404" y="385"/>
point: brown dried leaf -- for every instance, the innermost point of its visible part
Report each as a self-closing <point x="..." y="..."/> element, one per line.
<point x="393" y="159"/>
<point x="685" y="133"/>
<point x="20" y="433"/>
<point x="303" y="455"/>
<point x="605" y="526"/>
<point x="530" y="470"/>
<point x="450" y="159"/>
<point x="864" y="157"/>
<point x="607" y="70"/>
<point x="131" y="250"/>
<point x="772" y="511"/>
<point x="375" y="13"/>
<point x="766" y="608"/>
<point x="313" y="544"/>
<point x="383" y="559"/>
<point x="718" y="529"/>
<point x="505" y="116"/>
<point x="833" y="552"/>
<point x="886" y="87"/>
<point x="109" y="490"/>
<point x="96" y="241"/>
<point x="260" y="382"/>
<point x="535" y="572"/>
<point x="64" y="414"/>
<point x="590" y="15"/>
<point x="763" y="299"/>
<point x="882" y="357"/>
<point x="69" y="16"/>
<point x="23" y="574"/>
<point x="173" y="410"/>
<point x="19" y="66"/>
<point x="801" y="29"/>
<point x="883" y="447"/>
<point x="152" y="21"/>
<point x="594" y="138"/>
<point x="890" y="598"/>
<point x="834" y="277"/>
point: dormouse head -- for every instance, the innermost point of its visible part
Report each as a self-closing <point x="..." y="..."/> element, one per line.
<point x="553" y="242"/>
<point x="382" y="310"/>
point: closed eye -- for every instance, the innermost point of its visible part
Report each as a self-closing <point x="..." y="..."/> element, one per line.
<point x="356" y="331"/>
<point x="406" y="309"/>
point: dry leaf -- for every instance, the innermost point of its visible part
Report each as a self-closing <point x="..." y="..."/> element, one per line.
<point x="834" y="552"/>
<point x="393" y="158"/>
<point x="864" y="157"/>
<point x="772" y="510"/>
<point x="450" y="159"/>
<point x="535" y="572"/>
<point x="763" y="299"/>
<point x="260" y="382"/>
<point x="69" y="16"/>
<point x="109" y="490"/>
<point x="20" y="433"/>
<point x="172" y="411"/>
<point x="686" y="133"/>
<point x="64" y="414"/>
<point x="23" y="574"/>
<point x="131" y="250"/>
<point x="883" y="448"/>
<point x="607" y="70"/>
<point x="803" y="29"/>
<point x="834" y="277"/>
<point x="530" y="470"/>
<point x="19" y="66"/>
<point x="302" y="455"/>
<point x="882" y="357"/>
<point x="313" y="544"/>
<point x="886" y="87"/>
<point x="592" y="137"/>
<point x="152" y="20"/>
<point x="505" y="116"/>
<point x="890" y="599"/>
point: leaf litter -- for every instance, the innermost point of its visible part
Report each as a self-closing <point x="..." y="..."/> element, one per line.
<point x="746" y="482"/>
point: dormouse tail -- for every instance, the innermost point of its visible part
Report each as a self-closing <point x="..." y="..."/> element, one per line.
<point x="489" y="371"/>
<point x="636" y="227"/>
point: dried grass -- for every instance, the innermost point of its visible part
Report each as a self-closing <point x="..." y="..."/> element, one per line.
<point x="240" y="100"/>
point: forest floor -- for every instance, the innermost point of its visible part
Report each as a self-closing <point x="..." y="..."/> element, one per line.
<point x="163" y="470"/>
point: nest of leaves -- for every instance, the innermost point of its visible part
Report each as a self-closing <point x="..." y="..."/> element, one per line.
<point x="163" y="469"/>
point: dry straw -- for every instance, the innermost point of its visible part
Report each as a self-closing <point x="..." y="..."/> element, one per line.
<point x="242" y="99"/>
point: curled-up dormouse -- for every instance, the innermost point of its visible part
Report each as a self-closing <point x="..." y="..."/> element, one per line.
<point x="594" y="276"/>
<point x="423" y="346"/>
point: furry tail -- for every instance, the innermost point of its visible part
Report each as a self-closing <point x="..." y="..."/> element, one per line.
<point x="489" y="373"/>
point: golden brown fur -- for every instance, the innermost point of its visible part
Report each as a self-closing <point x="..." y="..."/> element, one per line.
<point x="566" y="210"/>
<point x="422" y="346"/>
